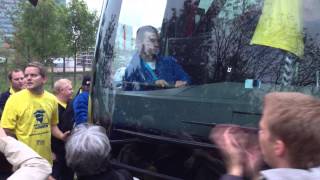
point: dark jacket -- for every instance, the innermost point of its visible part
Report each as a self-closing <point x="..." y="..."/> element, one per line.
<point x="60" y="170"/>
<point x="65" y="124"/>
<point x="5" y="166"/>
<point x="80" y="107"/>
<point x="139" y="77"/>
<point x="3" y="99"/>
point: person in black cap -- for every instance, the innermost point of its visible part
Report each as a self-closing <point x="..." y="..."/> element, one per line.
<point x="80" y="103"/>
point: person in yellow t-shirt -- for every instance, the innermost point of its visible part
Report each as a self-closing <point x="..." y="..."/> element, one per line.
<point x="280" y="28"/>
<point x="31" y="115"/>
<point x="16" y="78"/>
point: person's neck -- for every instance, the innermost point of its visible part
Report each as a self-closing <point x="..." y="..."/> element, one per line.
<point x="148" y="58"/>
<point x="37" y="91"/>
<point x="282" y="163"/>
<point x="15" y="90"/>
<point x="62" y="99"/>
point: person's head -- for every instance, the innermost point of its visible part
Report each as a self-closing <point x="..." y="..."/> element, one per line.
<point x="147" y="41"/>
<point x="63" y="89"/>
<point x="87" y="149"/>
<point x="16" y="78"/>
<point x="289" y="130"/>
<point x="35" y="77"/>
<point x="86" y="81"/>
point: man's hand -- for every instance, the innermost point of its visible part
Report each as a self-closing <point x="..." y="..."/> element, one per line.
<point x="180" y="84"/>
<point x="59" y="134"/>
<point x="161" y="83"/>
<point x="65" y="135"/>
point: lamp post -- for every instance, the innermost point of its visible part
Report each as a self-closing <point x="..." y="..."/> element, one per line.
<point x="4" y="61"/>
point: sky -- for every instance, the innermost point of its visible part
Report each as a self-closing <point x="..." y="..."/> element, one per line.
<point x="93" y="5"/>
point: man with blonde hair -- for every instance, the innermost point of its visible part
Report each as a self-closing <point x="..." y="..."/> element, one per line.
<point x="63" y="91"/>
<point x="289" y="140"/>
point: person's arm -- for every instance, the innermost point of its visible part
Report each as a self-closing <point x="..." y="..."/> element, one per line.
<point x="57" y="133"/>
<point x="182" y="77"/>
<point x="240" y="157"/>
<point x="28" y="165"/>
<point x="10" y="132"/>
<point x="9" y="117"/>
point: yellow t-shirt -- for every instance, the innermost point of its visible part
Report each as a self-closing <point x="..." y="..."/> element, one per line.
<point x="280" y="26"/>
<point x="63" y="104"/>
<point x="30" y="117"/>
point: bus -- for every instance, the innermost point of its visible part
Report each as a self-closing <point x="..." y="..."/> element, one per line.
<point x="233" y="51"/>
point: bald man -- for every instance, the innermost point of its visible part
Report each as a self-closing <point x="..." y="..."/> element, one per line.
<point x="63" y="92"/>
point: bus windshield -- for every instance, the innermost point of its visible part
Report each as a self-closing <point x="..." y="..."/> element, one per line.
<point x="201" y="60"/>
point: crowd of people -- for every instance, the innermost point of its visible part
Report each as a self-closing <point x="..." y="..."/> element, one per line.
<point x="36" y="124"/>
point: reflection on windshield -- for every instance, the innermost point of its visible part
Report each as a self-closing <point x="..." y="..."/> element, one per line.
<point x="148" y="70"/>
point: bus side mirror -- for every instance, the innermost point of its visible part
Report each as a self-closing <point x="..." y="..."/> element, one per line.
<point x="34" y="2"/>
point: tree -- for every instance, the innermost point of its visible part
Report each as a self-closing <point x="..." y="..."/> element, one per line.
<point x="40" y="31"/>
<point x="82" y="27"/>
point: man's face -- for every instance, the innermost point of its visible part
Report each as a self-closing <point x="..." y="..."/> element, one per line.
<point x="17" y="81"/>
<point x="265" y="138"/>
<point x="66" y="91"/>
<point x="34" y="81"/>
<point x="150" y="44"/>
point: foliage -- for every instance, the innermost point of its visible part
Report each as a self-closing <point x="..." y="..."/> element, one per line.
<point x="82" y="26"/>
<point x="50" y="30"/>
<point x="40" y="31"/>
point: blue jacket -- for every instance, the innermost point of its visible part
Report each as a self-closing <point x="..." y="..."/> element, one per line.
<point x="80" y="107"/>
<point x="139" y="77"/>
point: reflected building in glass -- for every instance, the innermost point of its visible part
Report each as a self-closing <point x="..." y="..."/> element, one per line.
<point x="6" y="27"/>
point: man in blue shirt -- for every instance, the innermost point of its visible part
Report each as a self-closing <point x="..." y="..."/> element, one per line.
<point x="80" y="103"/>
<point x="148" y="70"/>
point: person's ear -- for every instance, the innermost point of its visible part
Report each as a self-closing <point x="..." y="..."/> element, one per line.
<point x="279" y="148"/>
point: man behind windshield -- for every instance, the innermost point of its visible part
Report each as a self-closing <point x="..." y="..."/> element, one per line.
<point x="148" y="70"/>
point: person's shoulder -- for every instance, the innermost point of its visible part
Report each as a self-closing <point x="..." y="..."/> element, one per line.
<point x="20" y="94"/>
<point x="83" y="95"/>
<point x="80" y="97"/>
<point x="167" y="59"/>
<point x="291" y="173"/>
<point x="4" y="94"/>
<point x="50" y="96"/>
<point x="134" y="62"/>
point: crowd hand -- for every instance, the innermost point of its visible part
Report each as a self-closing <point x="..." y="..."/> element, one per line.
<point x="54" y="157"/>
<point x="180" y="84"/>
<point x="239" y="149"/>
<point x="161" y="83"/>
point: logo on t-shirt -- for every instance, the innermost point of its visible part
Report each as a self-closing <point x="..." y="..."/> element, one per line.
<point x="39" y="114"/>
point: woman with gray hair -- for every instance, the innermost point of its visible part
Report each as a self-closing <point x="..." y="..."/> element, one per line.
<point x="87" y="151"/>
